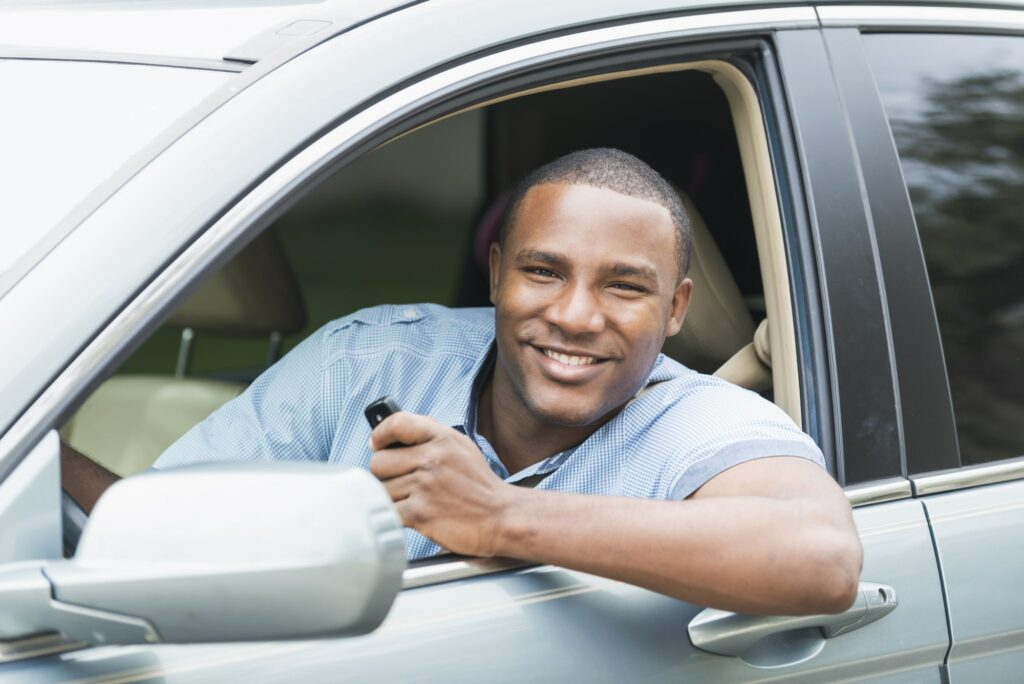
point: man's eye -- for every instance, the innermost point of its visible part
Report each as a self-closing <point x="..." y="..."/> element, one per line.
<point x="543" y="272"/>
<point x="628" y="287"/>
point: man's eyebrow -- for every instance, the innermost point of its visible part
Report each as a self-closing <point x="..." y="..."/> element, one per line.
<point x="549" y="258"/>
<point x="631" y="271"/>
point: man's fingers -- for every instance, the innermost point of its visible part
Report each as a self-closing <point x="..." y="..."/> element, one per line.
<point x="401" y="487"/>
<point x="390" y="463"/>
<point x="411" y="512"/>
<point x="405" y="428"/>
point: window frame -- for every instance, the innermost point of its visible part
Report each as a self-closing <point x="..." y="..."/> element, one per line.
<point x="863" y="388"/>
<point x="932" y="458"/>
<point x="925" y="404"/>
<point x="368" y="128"/>
<point x="475" y="80"/>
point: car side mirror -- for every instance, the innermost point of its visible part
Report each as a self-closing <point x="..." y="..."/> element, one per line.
<point x="219" y="553"/>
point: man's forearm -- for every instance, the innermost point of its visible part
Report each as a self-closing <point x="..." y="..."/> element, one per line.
<point x="743" y="553"/>
<point x="84" y="479"/>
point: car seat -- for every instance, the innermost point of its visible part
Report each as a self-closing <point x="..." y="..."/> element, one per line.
<point x="130" y="419"/>
<point x="718" y="334"/>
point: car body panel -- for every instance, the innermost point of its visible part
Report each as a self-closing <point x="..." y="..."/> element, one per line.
<point x="173" y="31"/>
<point x="53" y="161"/>
<point x="979" y="535"/>
<point x="30" y="506"/>
<point x="209" y="31"/>
<point x="549" y="624"/>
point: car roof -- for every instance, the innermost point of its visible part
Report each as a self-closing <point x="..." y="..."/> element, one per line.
<point x="246" y="30"/>
<point x="189" y="30"/>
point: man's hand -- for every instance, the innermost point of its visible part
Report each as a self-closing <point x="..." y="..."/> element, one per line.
<point x="440" y="483"/>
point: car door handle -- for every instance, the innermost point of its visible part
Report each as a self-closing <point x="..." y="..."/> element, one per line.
<point x="733" y="634"/>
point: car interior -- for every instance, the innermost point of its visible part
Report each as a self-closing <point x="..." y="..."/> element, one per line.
<point x="412" y="221"/>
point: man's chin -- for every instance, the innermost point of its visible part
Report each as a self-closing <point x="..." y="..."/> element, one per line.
<point x="568" y="413"/>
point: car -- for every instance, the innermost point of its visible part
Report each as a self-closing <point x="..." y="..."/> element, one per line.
<point x="189" y="189"/>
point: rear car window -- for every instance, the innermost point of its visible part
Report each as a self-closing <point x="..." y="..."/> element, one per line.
<point x="955" y="104"/>
<point x="67" y="126"/>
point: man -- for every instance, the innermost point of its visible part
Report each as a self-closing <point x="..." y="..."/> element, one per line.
<point x="562" y="387"/>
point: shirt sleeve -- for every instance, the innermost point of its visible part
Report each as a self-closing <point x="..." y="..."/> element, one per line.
<point x="279" y="417"/>
<point x="727" y="426"/>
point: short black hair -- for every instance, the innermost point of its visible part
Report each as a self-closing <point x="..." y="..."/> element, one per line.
<point x="607" y="167"/>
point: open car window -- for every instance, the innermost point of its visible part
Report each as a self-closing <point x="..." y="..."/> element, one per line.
<point x="411" y="222"/>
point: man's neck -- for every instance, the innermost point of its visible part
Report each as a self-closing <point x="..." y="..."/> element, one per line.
<point x="518" y="437"/>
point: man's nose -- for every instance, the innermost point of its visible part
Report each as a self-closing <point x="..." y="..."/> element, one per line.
<point x="576" y="311"/>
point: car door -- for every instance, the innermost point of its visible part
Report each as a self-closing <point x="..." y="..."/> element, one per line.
<point x="459" y="618"/>
<point x="944" y="112"/>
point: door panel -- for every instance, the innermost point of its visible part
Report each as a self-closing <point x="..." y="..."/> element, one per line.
<point x="980" y="538"/>
<point x="549" y="624"/>
<point x="30" y="506"/>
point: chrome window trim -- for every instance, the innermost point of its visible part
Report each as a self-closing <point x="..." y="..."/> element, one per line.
<point x="239" y="219"/>
<point x="869" y="493"/>
<point x="456" y="568"/>
<point x="37" y="646"/>
<point x="48" y="55"/>
<point x="968" y="476"/>
<point x="903" y="17"/>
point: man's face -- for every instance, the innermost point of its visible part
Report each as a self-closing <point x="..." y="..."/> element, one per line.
<point x="585" y="292"/>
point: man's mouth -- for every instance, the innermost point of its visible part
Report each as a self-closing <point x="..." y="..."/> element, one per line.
<point x="570" y="359"/>
<point x="563" y="366"/>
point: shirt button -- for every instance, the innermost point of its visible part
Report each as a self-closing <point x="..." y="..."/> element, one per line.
<point x="410" y="313"/>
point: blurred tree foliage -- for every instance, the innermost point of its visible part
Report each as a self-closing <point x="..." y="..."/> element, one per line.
<point x="963" y="158"/>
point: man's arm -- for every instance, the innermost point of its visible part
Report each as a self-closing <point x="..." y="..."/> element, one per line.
<point x="84" y="479"/>
<point x="773" y="535"/>
<point x="730" y="546"/>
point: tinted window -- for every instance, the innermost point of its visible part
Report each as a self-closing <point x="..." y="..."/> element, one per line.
<point x="956" y="107"/>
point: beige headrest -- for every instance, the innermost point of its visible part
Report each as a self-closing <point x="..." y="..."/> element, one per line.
<point x="718" y="323"/>
<point x="253" y="294"/>
<point x="751" y="366"/>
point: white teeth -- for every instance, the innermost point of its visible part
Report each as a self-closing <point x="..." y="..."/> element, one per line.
<point x="570" y="360"/>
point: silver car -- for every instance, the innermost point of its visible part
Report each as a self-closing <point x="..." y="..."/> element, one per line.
<point x="187" y="190"/>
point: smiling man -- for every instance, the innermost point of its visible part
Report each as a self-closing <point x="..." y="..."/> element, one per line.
<point x="636" y="467"/>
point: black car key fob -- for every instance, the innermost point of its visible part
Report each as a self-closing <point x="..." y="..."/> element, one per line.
<point x="379" y="410"/>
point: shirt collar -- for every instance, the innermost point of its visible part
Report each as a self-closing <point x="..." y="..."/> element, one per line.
<point x="460" y="410"/>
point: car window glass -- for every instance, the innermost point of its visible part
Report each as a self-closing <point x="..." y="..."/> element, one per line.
<point x="73" y="124"/>
<point x="956" y="108"/>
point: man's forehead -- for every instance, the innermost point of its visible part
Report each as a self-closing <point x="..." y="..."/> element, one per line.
<point x="585" y="221"/>
<point x="590" y="193"/>
<point x="560" y="208"/>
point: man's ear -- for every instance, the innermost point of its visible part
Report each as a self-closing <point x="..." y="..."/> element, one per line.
<point x="680" y="303"/>
<point x="494" y="260"/>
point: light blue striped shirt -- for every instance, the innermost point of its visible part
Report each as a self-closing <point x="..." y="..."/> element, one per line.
<point x="682" y="431"/>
